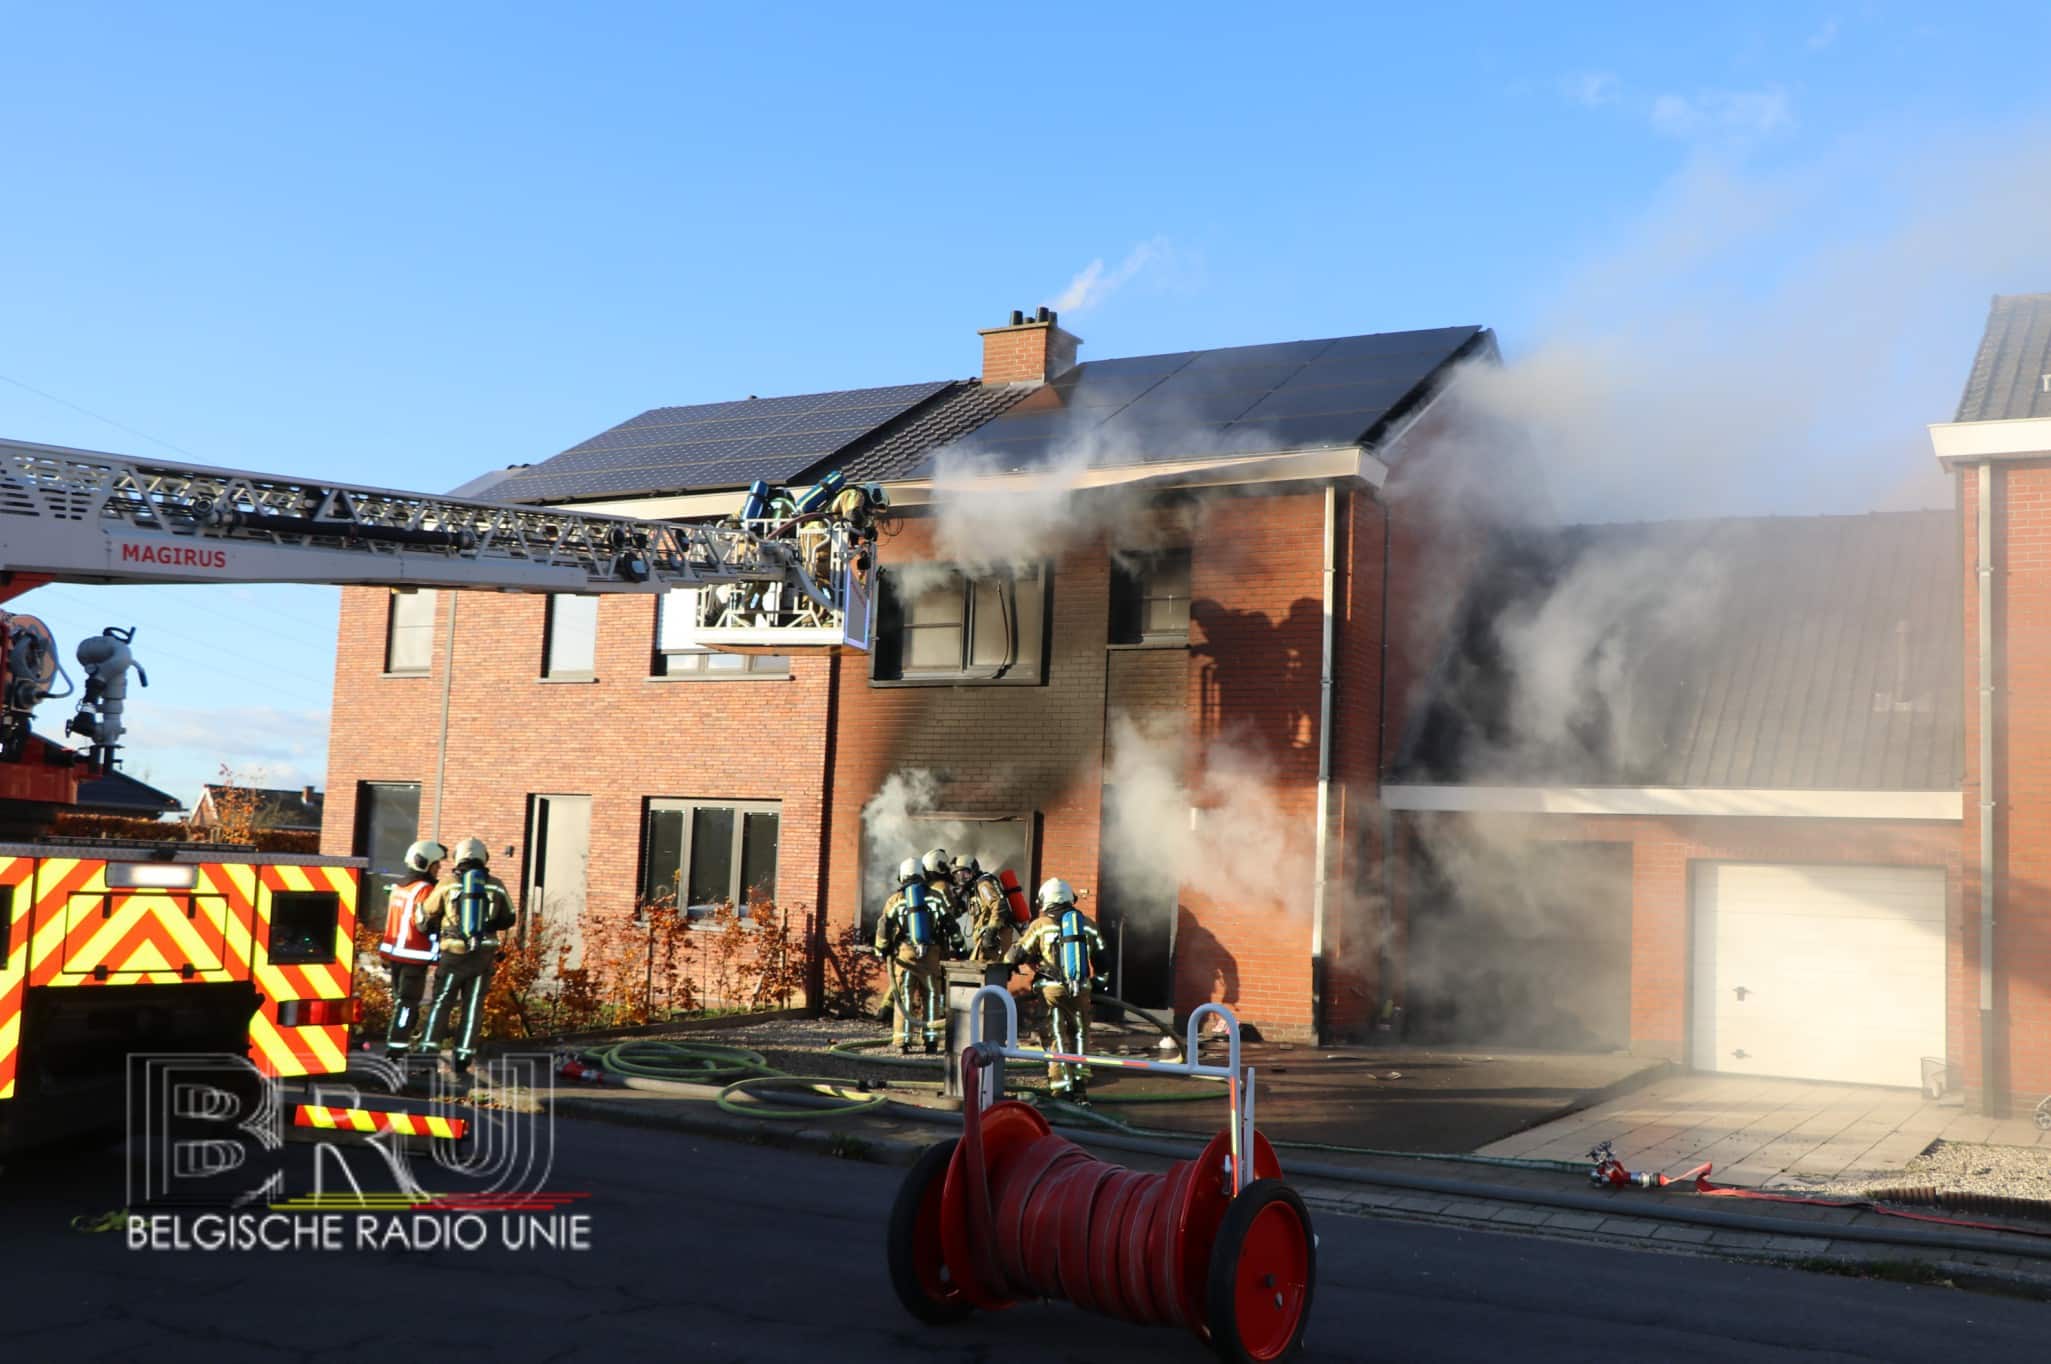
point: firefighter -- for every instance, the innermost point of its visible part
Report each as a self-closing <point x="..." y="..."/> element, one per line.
<point x="467" y="912"/>
<point x="914" y="936"/>
<point x="1063" y="947"/>
<point x="408" y="951"/>
<point x="990" y="932"/>
<point x="938" y="869"/>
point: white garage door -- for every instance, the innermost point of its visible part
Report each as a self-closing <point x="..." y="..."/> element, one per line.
<point x="1818" y="972"/>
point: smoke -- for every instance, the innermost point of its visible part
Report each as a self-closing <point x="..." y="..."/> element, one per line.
<point x="898" y="823"/>
<point x="1093" y="284"/>
<point x="1206" y="818"/>
<point x="989" y="517"/>
<point x="1775" y="341"/>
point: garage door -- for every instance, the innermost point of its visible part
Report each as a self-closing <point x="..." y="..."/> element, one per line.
<point x="1818" y="972"/>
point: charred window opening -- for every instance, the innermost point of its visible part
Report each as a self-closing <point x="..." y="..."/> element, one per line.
<point x="1150" y="597"/>
<point x="937" y="624"/>
<point x="409" y="632"/>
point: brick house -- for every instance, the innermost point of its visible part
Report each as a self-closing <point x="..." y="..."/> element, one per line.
<point x="1714" y="791"/>
<point x="1204" y="613"/>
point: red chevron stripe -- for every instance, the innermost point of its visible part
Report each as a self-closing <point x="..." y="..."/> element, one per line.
<point x="10" y="1005"/>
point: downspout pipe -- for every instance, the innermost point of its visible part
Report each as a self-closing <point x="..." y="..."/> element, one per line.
<point x="441" y="757"/>
<point x="1324" y="771"/>
<point x="1992" y="1101"/>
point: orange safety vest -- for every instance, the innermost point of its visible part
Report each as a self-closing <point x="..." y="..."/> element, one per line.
<point x="403" y="939"/>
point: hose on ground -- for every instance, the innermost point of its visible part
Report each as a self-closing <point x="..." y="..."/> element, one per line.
<point x="744" y="1073"/>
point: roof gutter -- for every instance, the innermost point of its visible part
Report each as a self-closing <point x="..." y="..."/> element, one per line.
<point x="1286" y="466"/>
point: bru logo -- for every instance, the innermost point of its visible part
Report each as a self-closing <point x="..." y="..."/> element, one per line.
<point x="173" y="556"/>
<point x="210" y="1130"/>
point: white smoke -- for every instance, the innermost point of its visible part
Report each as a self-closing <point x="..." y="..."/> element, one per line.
<point x="1201" y="817"/>
<point x="1093" y="283"/>
<point x="898" y="823"/>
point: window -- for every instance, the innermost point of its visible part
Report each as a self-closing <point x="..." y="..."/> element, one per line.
<point x="558" y="865"/>
<point x="387" y="822"/>
<point x="941" y="625"/>
<point x="572" y="652"/>
<point x="677" y="653"/>
<point x="709" y="853"/>
<point x="409" y="633"/>
<point x="1150" y="597"/>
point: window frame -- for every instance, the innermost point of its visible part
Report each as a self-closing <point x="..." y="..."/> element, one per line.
<point x="549" y="671"/>
<point x="887" y="659"/>
<point x="1133" y="579"/>
<point x="689" y="806"/>
<point x="666" y="654"/>
<point x="393" y="626"/>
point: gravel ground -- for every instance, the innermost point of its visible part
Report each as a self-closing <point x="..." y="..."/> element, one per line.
<point x="1965" y="1167"/>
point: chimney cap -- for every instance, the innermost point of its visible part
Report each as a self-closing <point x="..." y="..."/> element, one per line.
<point x="1017" y="317"/>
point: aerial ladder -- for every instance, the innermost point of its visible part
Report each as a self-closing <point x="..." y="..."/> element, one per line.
<point x="225" y="947"/>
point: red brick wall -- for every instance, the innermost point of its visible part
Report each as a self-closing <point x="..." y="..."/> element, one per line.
<point x="1662" y="851"/>
<point x="2021" y="783"/>
<point x="619" y="740"/>
<point x="1026" y="353"/>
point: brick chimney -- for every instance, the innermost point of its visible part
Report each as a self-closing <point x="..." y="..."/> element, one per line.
<point x="1027" y="349"/>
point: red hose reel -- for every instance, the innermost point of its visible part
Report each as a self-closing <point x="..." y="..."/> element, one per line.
<point x="1011" y="1212"/>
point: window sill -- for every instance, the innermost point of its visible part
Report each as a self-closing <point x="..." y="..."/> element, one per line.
<point x="406" y="675"/>
<point x="566" y="681"/>
<point x="957" y="680"/>
<point x="1182" y="643"/>
<point x="718" y="677"/>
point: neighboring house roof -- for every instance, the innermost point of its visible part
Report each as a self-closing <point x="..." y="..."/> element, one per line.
<point x="117" y="793"/>
<point x="480" y="488"/>
<point x="714" y="445"/>
<point x="300" y="809"/>
<point x="889" y="453"/>
<point x="1786" y="653"/>
<point x="1238" y="400"/>
<point x="2009" y="377"/>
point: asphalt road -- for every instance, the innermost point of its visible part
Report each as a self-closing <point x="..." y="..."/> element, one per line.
<point x="710" y="1251"/>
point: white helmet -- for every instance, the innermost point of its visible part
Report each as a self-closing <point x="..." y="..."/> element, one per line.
<point x="936" y="861"/>
<point x="473" y="850"/>
<point x="1054" y="891"/>
<point x="424" y="854"/>
<point x="908" y="870"/>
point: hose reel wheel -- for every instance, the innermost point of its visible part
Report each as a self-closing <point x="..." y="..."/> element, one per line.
<point x="918" y="1269"/>
<point x="1262" y="1273"/>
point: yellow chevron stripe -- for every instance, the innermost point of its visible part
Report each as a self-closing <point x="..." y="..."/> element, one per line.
<point x="10" y="1038"/>
<point x="276" y="1053"/>
<point x="330" y="1057"/>
<point x="295" y="878"/>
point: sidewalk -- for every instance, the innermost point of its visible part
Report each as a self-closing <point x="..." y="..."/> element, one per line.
<point x="1471" y="1196"/>
<point x="1775" y="1134"/>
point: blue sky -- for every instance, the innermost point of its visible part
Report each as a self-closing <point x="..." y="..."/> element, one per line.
<point x="1741" y="256"/>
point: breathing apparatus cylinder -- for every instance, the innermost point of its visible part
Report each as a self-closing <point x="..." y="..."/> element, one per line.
<point x="1014" y="895"/>
<point x="1076" y="967"/>
<point x="470" y="901"/>
<point x="918" y="916"/>
<point x="820" y="493"/>
<point x="756" y="506"/>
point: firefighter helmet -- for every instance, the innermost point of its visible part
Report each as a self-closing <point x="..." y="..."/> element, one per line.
<point x="936" y="862"/>
<point x="908" y="870"/>
<point x="473" y="850"/>
<point x="424" y="854"/>
<point x="1054" y="893"/>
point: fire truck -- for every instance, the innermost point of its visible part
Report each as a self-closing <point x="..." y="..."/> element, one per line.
<point x="111" y="948"/>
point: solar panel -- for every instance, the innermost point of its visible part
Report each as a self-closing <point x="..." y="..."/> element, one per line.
<point x="1238" y="400"/>
<point x="723" y="444"/>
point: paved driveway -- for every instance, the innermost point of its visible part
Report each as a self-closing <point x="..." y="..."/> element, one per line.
<point x="1766" y="1133"/>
